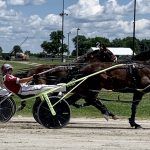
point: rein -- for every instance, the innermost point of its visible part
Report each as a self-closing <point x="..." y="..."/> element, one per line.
<point x="55" y="68"/>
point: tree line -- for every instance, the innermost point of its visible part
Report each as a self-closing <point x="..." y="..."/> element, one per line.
<point x="54" y="46"/>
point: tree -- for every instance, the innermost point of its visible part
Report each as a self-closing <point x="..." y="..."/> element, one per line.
<point x="101" y="40"/>
<point x="116" y="43"/>
<point x="27" y="52"/>
<point x="144" y="45"/>
<point x="16" y="49"/>
<point x="46" y="47"/>
<point x="128" y="42"/>
<point x="56" y="36"/>
<point x="54" y="46"/>
<point x="84" y="44"/>
<point x="81" y="44"/>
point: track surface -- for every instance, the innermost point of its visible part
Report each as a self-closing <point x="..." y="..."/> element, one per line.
<point x="22" y="133"/>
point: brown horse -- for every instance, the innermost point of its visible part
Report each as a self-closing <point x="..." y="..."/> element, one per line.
<point x="55" y="74"/>
<point x="133" y="78"/>
<point x="65" y="74"/>
<point x="129" y="78"/>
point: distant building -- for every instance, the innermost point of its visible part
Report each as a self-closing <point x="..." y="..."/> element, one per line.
<point x="120" y="52"/>
<point x="117" y="50"/>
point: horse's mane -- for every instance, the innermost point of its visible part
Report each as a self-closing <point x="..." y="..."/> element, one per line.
<point x="83" y="57"/>
<point x="95" y="55"/>
<point x="96" y="66"/>
<point x="143" y="56"/>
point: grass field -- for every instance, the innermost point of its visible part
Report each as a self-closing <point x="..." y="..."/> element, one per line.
<point x="119" y="108"/>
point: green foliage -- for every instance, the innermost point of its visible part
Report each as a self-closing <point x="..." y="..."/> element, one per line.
<point x="116" y="43"/>
<point x="54" y="47"/>
<point x="84" y="44"/>
<point x="145" y="45"/>
<point x="16" y="49"/>
<point x="56" y="36"/>
<point x="128" y="42"/>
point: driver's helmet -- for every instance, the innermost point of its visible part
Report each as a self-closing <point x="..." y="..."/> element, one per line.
<point x="5" y="68"/>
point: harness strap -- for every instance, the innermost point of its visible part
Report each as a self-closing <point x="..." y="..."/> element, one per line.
<point x="134" y="75"/>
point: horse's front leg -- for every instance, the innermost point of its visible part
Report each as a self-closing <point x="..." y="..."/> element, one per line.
<point x="137" y="97"/>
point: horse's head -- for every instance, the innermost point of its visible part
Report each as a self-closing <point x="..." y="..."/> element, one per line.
<point x="107" y="55"/>
<point x="101" y="54"/>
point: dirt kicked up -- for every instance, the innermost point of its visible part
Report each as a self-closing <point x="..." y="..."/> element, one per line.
<point x="22" y="133"/>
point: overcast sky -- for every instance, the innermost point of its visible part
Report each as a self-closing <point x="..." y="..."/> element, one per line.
<point x="34" y="20"/>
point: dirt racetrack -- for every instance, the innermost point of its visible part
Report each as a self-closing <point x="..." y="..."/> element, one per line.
<point x="22" y="133"/>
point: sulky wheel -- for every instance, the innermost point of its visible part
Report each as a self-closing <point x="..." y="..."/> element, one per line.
<point x="7" y="109"/>
<point x="61" y="118"/>
<point x="35" y="109"/>
<point x="13" y="106"/>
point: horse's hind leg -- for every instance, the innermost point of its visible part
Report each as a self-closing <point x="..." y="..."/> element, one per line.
<point x="92" y="101"/>
<point x="100" y="106"/>
<point x="72" y="99"/>
<point x="136" y="99"/>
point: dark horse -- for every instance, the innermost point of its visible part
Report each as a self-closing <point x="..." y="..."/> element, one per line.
<point x="143" y="56"/>
<point x="128" y="78"/>
<point x="133" y="78"/>
<point x="56" y="74"/>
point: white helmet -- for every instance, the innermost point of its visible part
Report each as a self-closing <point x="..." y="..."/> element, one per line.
<point x="5" y="68"/>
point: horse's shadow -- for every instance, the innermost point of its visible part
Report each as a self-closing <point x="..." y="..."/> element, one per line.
<point x="81" y="125"/>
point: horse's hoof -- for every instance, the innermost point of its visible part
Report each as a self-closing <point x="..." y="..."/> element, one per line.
<point x="115" y="117"/>
<point x="106" y="116"/>
<point x="137" y="126"/>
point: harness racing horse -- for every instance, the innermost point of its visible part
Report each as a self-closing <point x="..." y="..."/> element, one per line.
<point x="143" y="56"/>
<point x="58" y="74"/>
<point x="130" y="78"/>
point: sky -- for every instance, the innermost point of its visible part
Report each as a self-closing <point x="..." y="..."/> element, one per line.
<point x="29" y="22"/>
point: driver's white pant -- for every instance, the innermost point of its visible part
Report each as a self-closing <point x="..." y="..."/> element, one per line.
<point x="36" y="89"/>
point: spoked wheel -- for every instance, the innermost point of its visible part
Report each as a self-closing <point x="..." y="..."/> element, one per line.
<point x="7" y="109"/>
<point x="13" y="106"/>
<point x="61" y="118"/>
<point x="35" y="109"/>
